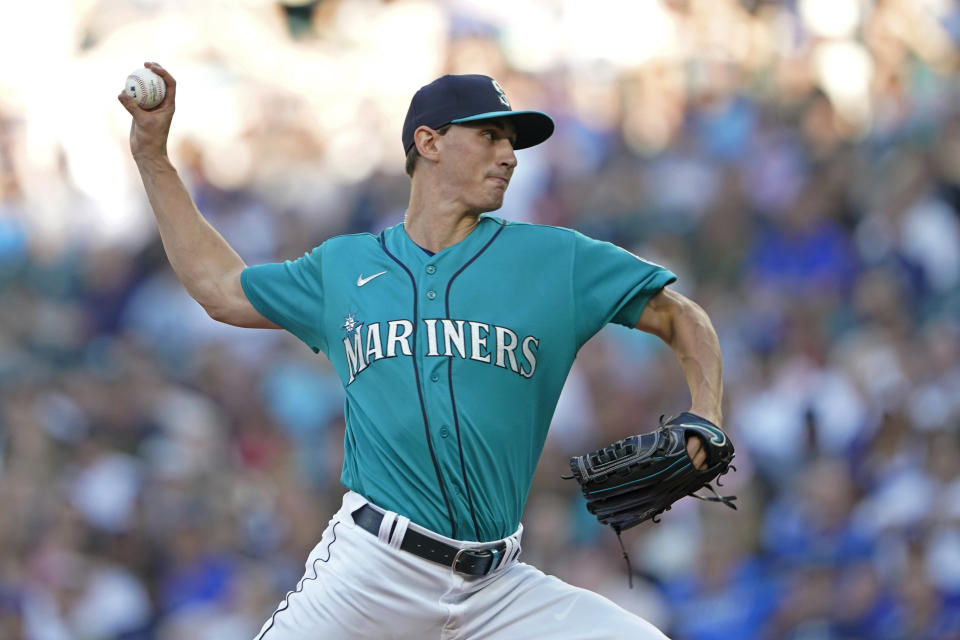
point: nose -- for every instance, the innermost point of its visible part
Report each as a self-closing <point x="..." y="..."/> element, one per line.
<point x="507" y="156"/>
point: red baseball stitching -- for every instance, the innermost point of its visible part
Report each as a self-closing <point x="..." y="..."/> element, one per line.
<point x="143" y="91"/>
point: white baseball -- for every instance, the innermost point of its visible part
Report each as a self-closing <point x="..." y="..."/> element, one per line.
<point x="146" y="87"/>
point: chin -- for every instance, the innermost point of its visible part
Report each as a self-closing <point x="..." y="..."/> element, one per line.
<point x="492" y="206"/>
<point x="486" y="200"/>
<point x="495" y="201"/>
<point x="487" y="204"/>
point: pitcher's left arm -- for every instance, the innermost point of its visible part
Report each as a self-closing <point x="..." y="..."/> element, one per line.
<point x="686" y="328"/>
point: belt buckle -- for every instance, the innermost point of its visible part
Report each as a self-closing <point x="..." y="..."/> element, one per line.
<point x="491" y="551"/>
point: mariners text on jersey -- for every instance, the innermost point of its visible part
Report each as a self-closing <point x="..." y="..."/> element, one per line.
<point x="466" y="339"/>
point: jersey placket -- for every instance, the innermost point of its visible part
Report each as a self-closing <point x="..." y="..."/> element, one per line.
<point x="431" y="278"/>
<point x="432" y="283"/>
<point x="462" y="455"/>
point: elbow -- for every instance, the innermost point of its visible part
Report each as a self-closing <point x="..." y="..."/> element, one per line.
<point x="238" y="312"/>
<point x="688" y="318"/>
<point x="225" y="309"/>
<point x="222" y="299"/>
<point x="218" y="312"/>
<point x="673" y="318"/>
<point x="215" y="305"/>
<point x="234" y="315"/>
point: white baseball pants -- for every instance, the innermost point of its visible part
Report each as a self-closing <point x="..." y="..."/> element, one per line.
<point x="357" y="585"/>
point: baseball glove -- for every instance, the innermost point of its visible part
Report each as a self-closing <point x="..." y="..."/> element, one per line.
<point x="640" y="477"/>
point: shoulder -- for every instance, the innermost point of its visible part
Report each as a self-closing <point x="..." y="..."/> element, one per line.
<point x="533" y="230"/>
<point x="549" y="238"/>
<point x="351" y="240"/>
<point x="347" y="242"/>
<point x="334" y="248"/>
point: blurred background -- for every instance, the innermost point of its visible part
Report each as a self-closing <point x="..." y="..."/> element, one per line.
<point x="796" y="163"/>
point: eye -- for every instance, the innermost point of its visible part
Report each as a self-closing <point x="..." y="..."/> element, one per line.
<point x="488" y="134"/>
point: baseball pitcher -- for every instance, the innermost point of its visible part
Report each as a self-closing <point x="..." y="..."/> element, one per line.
<point x="453" y="333"/>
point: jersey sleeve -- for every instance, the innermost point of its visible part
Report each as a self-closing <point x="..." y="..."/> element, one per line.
<point x="611" y="285"/>
<point x="290" y="294"/>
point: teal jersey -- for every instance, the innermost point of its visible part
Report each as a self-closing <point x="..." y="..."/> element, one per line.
<point x="452" y="363"/>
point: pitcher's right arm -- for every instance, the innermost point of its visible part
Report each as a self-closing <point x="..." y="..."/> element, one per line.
<point x="204" y="262"/>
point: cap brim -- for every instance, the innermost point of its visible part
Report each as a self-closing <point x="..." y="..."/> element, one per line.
<point x="533" y="127"/>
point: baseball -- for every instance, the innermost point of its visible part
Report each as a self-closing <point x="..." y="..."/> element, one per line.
<point x="146" y="87"/>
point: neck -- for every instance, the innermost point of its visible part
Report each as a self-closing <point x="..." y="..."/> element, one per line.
<point x="435" y="222"/>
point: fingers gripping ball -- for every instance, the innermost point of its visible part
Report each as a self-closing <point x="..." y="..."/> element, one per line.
<point x="146" y="87"/>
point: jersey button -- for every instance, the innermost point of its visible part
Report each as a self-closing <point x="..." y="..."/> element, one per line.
<point x="431" y="294"/>
<point x="431" y="269"/>
<point x="435" y="378"/>
<point x="444" y="432"/>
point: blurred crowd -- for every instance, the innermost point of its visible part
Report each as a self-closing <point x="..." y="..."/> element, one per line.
<point x="797" y="164"/>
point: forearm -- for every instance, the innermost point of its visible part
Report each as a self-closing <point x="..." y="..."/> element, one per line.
<point x="697" y="348"/>
<point x="199" y="255"/>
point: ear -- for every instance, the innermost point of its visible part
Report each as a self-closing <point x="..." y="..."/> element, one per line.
<point x="427" y="141"/>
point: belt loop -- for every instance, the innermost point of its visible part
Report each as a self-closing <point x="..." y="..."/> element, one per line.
<point x="400" y="530"/>
<point x="511" y="543"/>
<point x="513" y="549"/>
<point x="386" y="525"/>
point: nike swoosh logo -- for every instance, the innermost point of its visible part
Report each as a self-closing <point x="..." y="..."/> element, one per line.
<point x="362" y="281"/>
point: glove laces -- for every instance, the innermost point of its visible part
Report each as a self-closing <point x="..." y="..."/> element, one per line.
<point x="626" y="557"/>
<point x="716" y="497"/>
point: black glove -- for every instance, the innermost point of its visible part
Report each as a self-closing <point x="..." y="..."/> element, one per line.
<point x="640" y="477"/>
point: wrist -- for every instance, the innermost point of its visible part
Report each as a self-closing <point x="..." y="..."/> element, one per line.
<point x="152" y="159"/>
<point x="715" y="415"/>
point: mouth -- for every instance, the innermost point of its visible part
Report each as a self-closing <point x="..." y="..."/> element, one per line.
<point x="499" y="180"/>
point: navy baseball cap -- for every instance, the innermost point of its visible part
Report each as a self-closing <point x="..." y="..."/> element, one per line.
<point x="456" y="99"/>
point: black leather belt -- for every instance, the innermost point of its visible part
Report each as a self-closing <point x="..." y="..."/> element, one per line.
<point x="472" y="562"/>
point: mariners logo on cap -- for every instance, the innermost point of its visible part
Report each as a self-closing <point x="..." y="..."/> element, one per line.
<point x="500" y="92"/>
